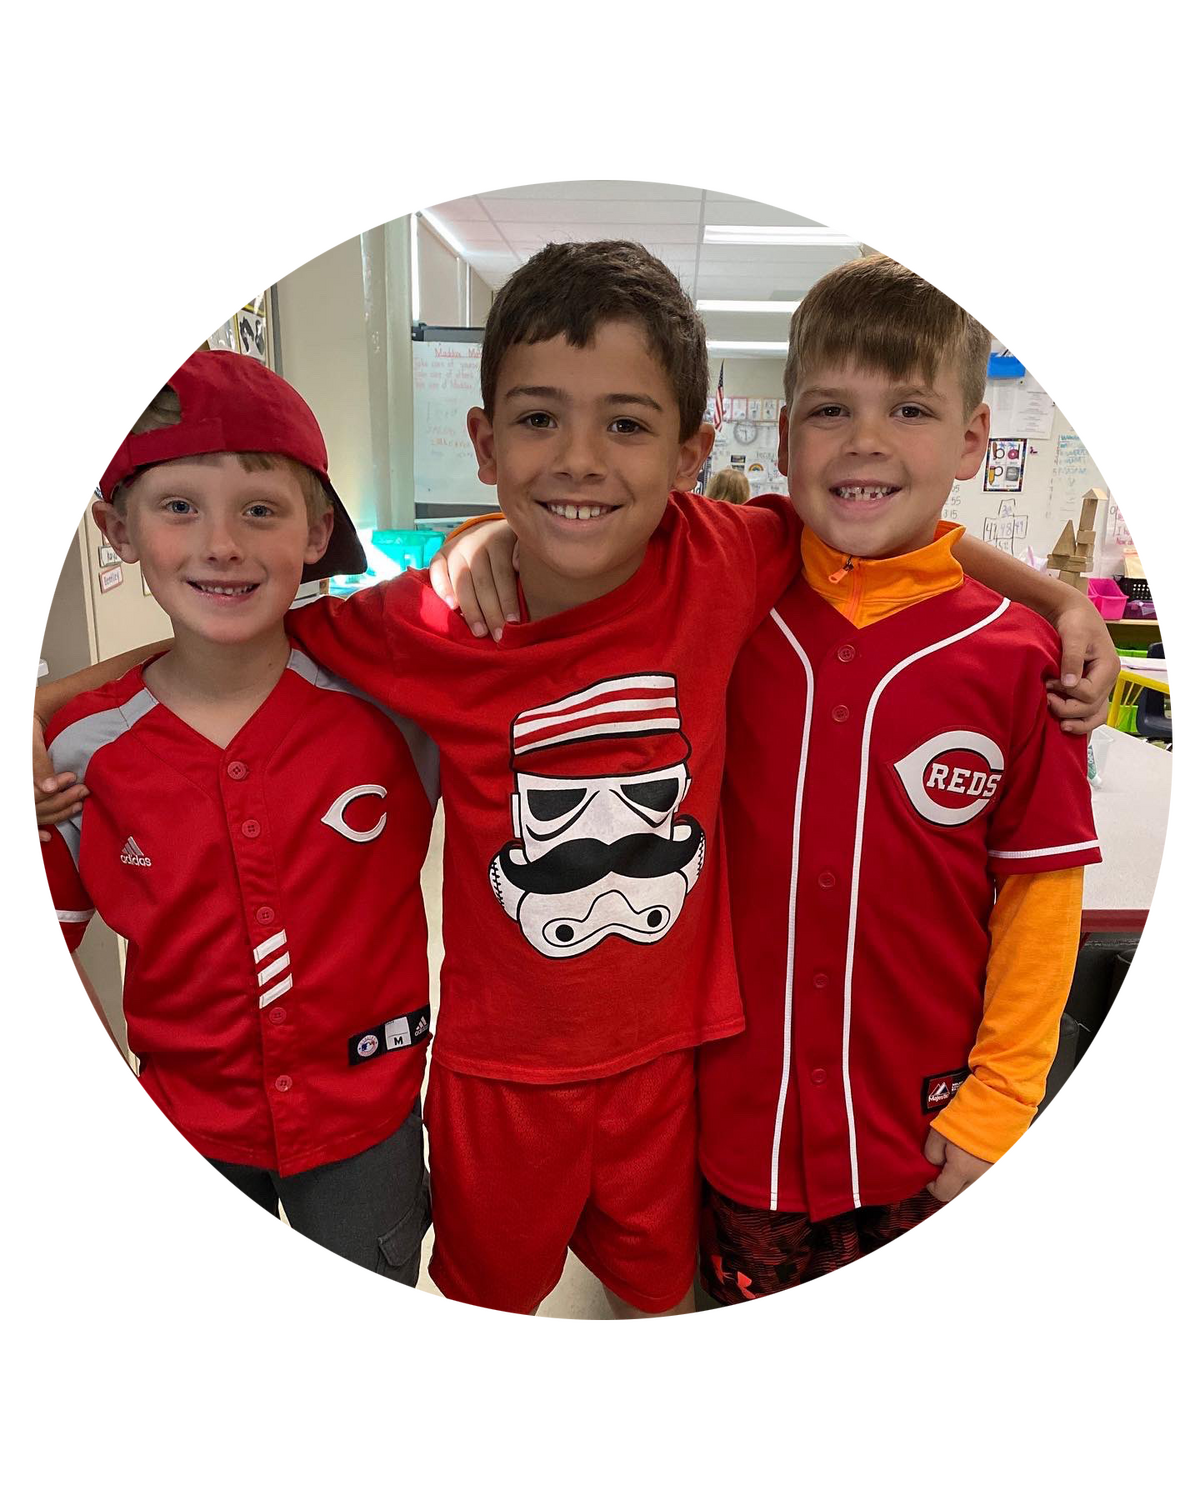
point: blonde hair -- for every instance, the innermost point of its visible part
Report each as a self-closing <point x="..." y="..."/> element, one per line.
<point x="876" y="313"/>
<point x="728" y="484"/>
<point x="165" y="411"/>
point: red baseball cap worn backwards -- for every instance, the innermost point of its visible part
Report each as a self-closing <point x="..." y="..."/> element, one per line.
<point x="231" y="403"/>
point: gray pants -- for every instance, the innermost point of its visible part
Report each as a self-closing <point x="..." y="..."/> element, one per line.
<point x="372" y="1208"/>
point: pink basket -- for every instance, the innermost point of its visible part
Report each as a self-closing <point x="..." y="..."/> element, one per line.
<point x="1106" y="595"/>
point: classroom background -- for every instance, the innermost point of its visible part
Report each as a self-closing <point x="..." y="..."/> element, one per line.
<point x="381" y="335"/>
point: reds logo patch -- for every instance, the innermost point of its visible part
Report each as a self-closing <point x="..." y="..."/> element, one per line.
<point x="952" y="777"/>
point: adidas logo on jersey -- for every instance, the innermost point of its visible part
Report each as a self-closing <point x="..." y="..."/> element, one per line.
<point x="132" y="855"/>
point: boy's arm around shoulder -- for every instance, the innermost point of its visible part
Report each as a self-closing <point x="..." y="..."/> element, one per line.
<point x="57" y="794"/>
<point x="397" y="641"/>
<point x="772" y="530"/>
<point x="1089" y="662"/>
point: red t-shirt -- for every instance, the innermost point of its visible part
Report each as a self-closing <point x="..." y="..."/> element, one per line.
<point x="276" y="984"/>
<point x="878" y="780"/>
<point x="585" y="909"/>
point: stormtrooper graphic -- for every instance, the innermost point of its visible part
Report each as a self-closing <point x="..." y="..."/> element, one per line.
<point x="600" y="849"/>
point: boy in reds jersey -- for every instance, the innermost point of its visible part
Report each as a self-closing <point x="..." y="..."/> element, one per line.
<point x="255" y="828"/>
<point x="906" y="826"/>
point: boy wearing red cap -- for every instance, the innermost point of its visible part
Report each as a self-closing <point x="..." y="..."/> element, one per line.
<point x="238" y="791"/>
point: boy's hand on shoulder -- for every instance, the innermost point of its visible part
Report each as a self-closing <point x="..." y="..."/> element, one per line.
<point x="1088" y="669"/>
<point x="959" y="1168"/>
<point x="475" y="572"/>
<point x="55" y="795"/>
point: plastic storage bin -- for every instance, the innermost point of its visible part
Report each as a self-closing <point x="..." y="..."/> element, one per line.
<point x="1108" y="597"/>
<point x="411" y="549"/>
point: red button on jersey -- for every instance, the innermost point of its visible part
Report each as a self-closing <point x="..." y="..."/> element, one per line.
<point x="251" y="828"/>
<point x="840" y="714"/>
<point x="818" y="1076"/>
<point x="827" y="880"/>
<point x="820" y="980"/>
<point x="283" y="1083"/>
<point x="277" y="1015"/>
<point x="237" y="770"/>
<point x="846" y="653"/>
<point x="265" y="915"/>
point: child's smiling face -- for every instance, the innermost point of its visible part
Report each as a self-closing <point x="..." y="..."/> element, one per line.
<point x="584" y="448"/>
<point x="870" y="459"/>
<point x="222" y="550"/>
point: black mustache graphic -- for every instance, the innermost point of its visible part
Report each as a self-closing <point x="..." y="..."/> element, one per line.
<point x="581" y="862"/>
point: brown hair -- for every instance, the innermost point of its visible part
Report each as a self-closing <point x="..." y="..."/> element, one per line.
<point x="165" y="411"/>
<point x="571" y="289"/>
<point x="728" y="484"/>
<point x="876" y="313"/>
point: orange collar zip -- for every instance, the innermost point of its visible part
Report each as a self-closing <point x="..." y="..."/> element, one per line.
<point x="868" y="589"/>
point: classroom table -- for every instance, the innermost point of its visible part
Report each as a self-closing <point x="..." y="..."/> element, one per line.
<point x="1130" y="809"/>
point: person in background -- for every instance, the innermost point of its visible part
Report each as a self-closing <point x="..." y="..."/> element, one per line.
<point x="728" y="484"/>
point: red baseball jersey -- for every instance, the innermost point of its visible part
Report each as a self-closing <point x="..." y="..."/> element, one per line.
<point x="276" y="983"/>
<point x="878" y="780"/>
<point x="585" y="908"/>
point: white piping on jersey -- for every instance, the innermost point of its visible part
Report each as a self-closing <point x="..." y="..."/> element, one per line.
<point x="274" y="994"/>
<point x="1038" y="853"/>
<point x="276" y="940"/>
<point x="860" y="817"/>
<point x="276" y="966"/>
<point x="75" y="916"/>
<point x="786" y="1069"/>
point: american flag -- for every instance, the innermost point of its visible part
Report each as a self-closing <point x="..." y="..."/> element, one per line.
<point x="719" y="403"/>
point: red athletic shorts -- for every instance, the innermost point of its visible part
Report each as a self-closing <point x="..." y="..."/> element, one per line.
<point x="752" y="1252"/>
<point x="522" y="1171"/>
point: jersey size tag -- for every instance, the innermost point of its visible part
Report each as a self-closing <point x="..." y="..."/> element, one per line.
<point x="389" y="1036"/>
<point x="939" y="1088"/>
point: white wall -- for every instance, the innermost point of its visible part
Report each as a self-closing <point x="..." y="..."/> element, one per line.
<point x="323" y="349"/>
<point x="442" y="283"/>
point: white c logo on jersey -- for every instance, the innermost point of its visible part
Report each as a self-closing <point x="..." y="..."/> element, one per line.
<point x="335" y="820"/>
<point x="920" y="770"/>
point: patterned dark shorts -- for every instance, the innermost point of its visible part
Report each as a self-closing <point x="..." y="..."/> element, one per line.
<point x="752" y="1252"/>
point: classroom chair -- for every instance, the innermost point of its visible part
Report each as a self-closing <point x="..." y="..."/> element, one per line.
<point x="1153" y="721"/>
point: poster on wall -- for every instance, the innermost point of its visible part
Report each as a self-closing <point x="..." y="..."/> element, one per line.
<point x="1005" y="464"/>
<point x="246" y="332"/>
<point x="1006" y="527"/>
<point x="1118" y="531"/>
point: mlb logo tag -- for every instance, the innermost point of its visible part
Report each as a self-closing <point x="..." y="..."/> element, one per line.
<point x="368" y="1046"/>
<point x="939" y="1088"/>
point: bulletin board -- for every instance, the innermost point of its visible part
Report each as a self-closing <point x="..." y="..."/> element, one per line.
<point x="748" y="441"/>
<point x="248" y="331"/>
<point x="1037" y="485"/>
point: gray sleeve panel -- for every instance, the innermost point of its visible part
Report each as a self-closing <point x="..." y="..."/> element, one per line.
<point x="72" y="750"/>
<point x="422" y="749"/>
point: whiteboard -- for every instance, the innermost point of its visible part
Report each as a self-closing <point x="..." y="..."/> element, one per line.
<point x="1058" y="472"/>
<point x="445" y="472"/>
